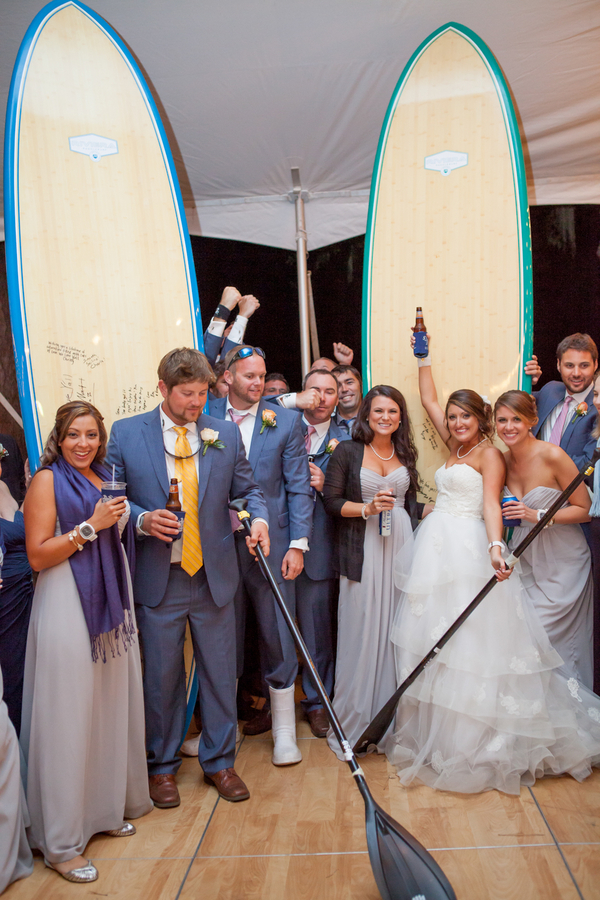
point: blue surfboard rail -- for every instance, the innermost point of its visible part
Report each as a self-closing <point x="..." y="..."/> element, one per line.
<point x="519" y="182"/>
<point x="17" y="300"/>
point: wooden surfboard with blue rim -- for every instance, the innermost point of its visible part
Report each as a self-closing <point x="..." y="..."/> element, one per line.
<point x="100" y="270"/>
<point x="448" y="230"/>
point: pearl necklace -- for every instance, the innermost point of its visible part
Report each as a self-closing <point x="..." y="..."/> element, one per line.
<point x="458" y="456"/>
<point x="383" y="458"/>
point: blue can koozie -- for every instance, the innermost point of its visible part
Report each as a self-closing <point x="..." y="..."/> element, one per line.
<point x="421" y="348"/>
<point x="509" y="523"/>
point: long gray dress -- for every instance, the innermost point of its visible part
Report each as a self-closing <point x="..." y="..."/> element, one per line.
<point x="16" y="860"/>
<point x="365" y="674"/>
<point x="556" y="573"/>
<point x="83" y="725"/>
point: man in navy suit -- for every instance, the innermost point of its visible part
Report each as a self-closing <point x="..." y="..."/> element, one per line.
<point x="193" y="579"/>
<point x="275" y="448"/>
<point x="316" y="585"/>
<point x="213" y="336"/>
<point x="566" y="412"/>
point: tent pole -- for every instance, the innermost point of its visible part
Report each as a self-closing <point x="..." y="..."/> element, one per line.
<point x="302" y="272"/>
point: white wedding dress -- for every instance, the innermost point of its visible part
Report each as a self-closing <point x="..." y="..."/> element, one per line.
<point x="494" y="709"/>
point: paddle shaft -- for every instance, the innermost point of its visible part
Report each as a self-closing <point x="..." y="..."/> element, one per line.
<point x="384" y="717"/>
<point x="314" y="675"/>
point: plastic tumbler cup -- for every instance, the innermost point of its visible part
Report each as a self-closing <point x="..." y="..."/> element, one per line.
<point x="509" y="523"/>
<point x="113" y="489"/>
<point x="180" y="513"/>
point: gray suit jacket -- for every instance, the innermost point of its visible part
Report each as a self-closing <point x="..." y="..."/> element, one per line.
<point x="137" y="451"/>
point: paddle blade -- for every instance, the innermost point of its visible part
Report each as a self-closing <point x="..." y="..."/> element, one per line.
<point x="403" y="868"/>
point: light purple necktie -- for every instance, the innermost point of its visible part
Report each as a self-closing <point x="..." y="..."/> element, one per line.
<point x="558" y="427"/>
<point x="236" y="525"/>
<point x="308" y="437"/>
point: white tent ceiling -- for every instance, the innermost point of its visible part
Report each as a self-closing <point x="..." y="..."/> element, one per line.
<point x="250" y="88"/>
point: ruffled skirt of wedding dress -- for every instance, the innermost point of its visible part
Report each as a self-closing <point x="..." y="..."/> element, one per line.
<point x="494" y="709"/>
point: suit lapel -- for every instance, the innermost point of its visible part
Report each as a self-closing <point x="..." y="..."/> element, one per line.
<point x="566" y="435"/>
<point x="153" y="437"/>
<point x="204" y="461"/>
<point x="551" y="399"/>
<point x="258" y="439"/>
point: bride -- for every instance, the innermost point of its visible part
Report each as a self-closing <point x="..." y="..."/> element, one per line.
<point x="491" y="711"/>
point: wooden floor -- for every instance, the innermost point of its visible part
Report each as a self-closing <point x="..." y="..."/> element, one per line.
<point x="301" y="836"/>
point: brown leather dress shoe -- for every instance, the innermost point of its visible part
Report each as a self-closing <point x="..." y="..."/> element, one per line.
<point x="318" y="721"/>
<point x="163" y="791"/>
<point x="229" y="785"/>
<point x="259" y="723"/>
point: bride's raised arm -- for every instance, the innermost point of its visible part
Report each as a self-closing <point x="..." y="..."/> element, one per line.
<point x="428" y="393"/>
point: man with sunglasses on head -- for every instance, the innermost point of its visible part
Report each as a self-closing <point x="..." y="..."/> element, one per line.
<point x="275" y="448"/>
<point x="189" y="579"/>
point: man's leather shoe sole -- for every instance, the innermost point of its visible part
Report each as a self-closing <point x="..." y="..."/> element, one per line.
<point x="318" y="721"/>
<point x="259" y="723"/>
<point x="163" y="791"/>
<point x="229" y="785"/>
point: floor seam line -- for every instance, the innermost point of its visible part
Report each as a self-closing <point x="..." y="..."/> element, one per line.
<point x="558" y="847"/>
<point x="203" y="835"/>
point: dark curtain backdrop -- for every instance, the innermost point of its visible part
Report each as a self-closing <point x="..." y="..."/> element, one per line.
<point x="566" y="290"/>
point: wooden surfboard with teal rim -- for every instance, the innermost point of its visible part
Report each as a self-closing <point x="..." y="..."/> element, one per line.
<point x="100" y="270"/>
<point x="448" y="230"/>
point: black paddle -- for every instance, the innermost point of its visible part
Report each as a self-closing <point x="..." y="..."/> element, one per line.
<point x="402" y="867"/>
<point x="375" y="730"/>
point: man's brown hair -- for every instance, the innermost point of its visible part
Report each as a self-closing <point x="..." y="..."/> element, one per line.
<point x="577" y="341"/>
<point x="183" y="365"/>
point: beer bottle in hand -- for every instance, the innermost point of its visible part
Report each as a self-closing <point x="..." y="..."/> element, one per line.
<point x="421" y="343"/>
<point x="173" y="504"/>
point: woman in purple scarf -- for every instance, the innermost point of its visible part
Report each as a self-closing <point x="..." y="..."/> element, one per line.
<point x="83" y="716"/>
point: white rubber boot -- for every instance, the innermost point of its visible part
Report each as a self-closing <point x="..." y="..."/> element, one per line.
<point x="283" y="713"/>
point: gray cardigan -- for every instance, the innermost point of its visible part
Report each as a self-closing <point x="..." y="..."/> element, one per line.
<point x="342" y="483"/>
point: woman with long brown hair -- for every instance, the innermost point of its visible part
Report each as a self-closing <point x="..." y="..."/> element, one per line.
<point x="369" y="478"/>
<point x="83" y="715"/>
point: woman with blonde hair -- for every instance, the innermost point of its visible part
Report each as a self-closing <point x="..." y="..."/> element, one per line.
<point x="556" y="568"/>
<point x="83" y="714"/>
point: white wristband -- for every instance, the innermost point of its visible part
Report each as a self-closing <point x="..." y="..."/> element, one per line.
<point x="425" y="361"/>
<point x="495" y="544"/>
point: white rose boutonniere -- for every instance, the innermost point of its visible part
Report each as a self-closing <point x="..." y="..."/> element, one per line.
<point x="269" y="419"/>
<point x="331" y="446"/>
<point x="210" y="438"/>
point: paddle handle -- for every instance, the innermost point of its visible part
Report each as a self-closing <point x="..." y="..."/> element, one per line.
<point x="303" y="650"/>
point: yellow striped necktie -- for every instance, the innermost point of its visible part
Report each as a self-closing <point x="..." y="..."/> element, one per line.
<point x="185" y="470"/>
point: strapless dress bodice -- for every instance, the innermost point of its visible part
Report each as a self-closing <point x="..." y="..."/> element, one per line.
<point x="460" y="491"/>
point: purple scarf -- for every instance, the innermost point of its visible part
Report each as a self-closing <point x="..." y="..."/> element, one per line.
<point x="99" y="569"/>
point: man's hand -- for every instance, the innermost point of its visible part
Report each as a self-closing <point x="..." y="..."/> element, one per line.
<point x="533" y="368"/>
<point x="259" y="534"/>
<point x="308" y="399"/>
<point x="248" y="305"/>
<point x="343" y="354"/>
<point x="230" y="297"/>
<point x="162" y="524"/>
<point x="293" y="563"/>
<point x="317" y="477"/>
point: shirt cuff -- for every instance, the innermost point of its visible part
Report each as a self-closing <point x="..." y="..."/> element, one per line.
<point x="300" y="544"/>
<point x="216" y="327"/>
<point x="288" y="401"/>
<point x="258" y="519"/>
<point x="236" y="335"/>
<point x="138" y="526"/>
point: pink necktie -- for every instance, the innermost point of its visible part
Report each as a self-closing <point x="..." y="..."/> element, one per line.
<point x="308" y="437"/>
<point x="235" y="522"/>
<point x="558" y="427"/>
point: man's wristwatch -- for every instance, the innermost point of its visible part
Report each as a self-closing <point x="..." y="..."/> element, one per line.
<point x="87" y="531"/>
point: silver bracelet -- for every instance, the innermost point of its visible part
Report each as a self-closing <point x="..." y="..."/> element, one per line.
<point x="362" y="512"/>
<point x="72" y="536"/>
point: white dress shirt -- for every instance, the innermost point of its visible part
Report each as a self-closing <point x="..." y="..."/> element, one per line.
<point x="318" y="436"/>
<point x="246" y="427"/>
<point x="236" y="335"/>
<point x="552" y="418"/>
<point x="169" y="439"/>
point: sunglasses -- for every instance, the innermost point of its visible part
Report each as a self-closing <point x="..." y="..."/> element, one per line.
<point x="245" y="352"/>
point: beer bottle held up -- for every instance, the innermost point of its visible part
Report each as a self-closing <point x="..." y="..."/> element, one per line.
<point x="173" y="504"/>
<point x="421" y="348"/>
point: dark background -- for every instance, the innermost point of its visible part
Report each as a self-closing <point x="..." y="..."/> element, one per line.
<point x="566" y="292"/>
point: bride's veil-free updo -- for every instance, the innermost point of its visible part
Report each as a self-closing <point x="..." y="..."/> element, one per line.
<point x="473" y="403"/>
<point x="65" y="416"/>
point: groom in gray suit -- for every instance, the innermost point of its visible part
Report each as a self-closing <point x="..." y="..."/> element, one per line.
<point x="193" y="579"/>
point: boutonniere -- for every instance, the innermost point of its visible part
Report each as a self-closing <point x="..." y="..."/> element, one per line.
<point x="331" y="446"/>
<point x="3" y="452"/>
<point x="580" y="410"/>
<point x="210" y="438"/>
<point x="269" y="419"/>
